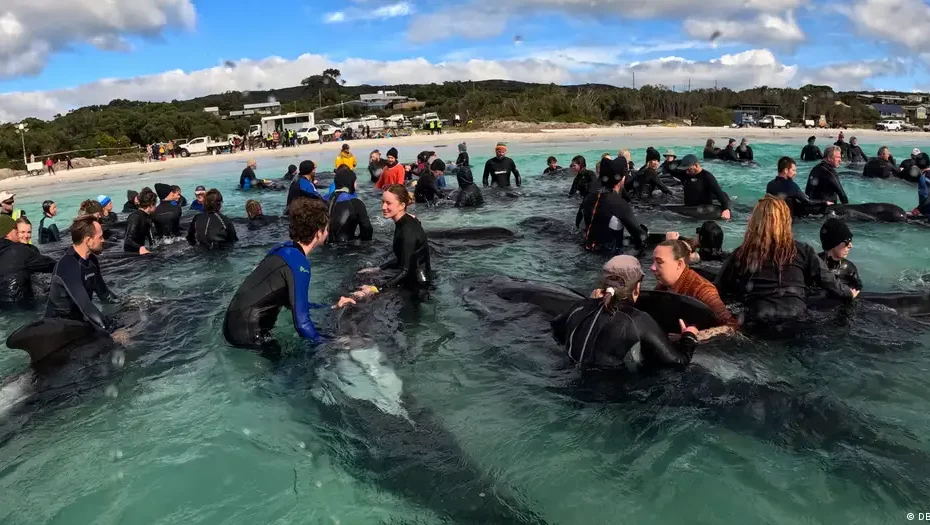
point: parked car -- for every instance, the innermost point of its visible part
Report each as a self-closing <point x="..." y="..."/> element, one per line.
<point x="909" y="127"/>
<point x="308" y="135"/>
<point x="202" y="145"/>
<point x="774" y="121"/>
<point x="744" y="120"/>
<point x="890" y="125"/>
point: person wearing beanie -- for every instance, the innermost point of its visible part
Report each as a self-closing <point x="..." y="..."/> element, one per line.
<point x="303" y="185"/>
<point x="499" y="168"/>
<point x="18" y="262"/>
<point x="48" y="230"/>
<point x="843" y="145"/>
<point x="109" y="216"/>
<point x="729" y="153"/>
<point x="426" y="190"/>
<point x="393" y="172"/>
<point x="605" y="331"/>
<point x="132" y="201"/>
<point x="836" y="241"/>
<point x="811" y="152"/>
<point x="646" y="181"/>
<point x="701" y="187"/>
<point x="167" y="215"/>
<point x="345" y="158"/>
<point x="462" y="159"/>
<point x="291" y="173"/>
<point x="606" y="213"/>
<point x="348" y="216"/>
<point x="744" y="151"/>
<point x="469" y="194"/>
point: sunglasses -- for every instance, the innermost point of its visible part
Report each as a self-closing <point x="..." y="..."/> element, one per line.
<point x="848" y="242"/>
<point x="200" y="193"/>
<point x="9" y="202"/>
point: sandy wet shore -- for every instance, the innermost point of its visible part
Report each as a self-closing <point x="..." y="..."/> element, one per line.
<point x="614" y="138"/>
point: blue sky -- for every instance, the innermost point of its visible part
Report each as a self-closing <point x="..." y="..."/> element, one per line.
<point x="859" y="44"/>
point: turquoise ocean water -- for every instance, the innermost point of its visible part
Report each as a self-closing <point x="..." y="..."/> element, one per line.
<point x="181" y="428"/>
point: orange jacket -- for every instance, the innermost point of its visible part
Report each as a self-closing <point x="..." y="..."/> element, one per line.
<point x="391" y="175"/>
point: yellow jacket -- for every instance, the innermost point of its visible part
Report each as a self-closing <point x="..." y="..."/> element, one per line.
<point x="347" y="159"/>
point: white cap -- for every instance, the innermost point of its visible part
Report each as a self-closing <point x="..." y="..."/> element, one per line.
<point x="5" y="196"/>
<point x="915" y="151"/>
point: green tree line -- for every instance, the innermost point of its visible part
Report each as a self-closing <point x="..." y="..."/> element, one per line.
<point x="124" y="123"/>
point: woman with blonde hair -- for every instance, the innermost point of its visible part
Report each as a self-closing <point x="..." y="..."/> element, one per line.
<point x="771" y="271"/>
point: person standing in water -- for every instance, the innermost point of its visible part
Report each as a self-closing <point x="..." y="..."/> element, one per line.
<point x="811" y="152"/>
<point x="393" y="172"/>
<point x="923" y="186"/>
<point x="347" y="213"/>
<point x="606" y="213"/>
<point x="854" y="153"/>
<point x="552" y="165"/>
<point x="48" y="230"/>
<point x="132" y="201"/>
<point x="823" y="183"/>
<point x="836" y="241"/>
<point x="140" y="229"/>
<point x="411" y="262"/>
<point x="499" y="168"/>
<point x="303" y="185"/>
<point x="843" y="145"/>
<point x="375" y="166"/>
<point x="18" y="261"/>
<point x="880" y="167"/>
<point x="281" y="280"/>
<point x="744" y="151"/>
<point x="469" y="194"/>
<point x="784" y="187"/>
<point x="701" y="187"/>
<point x="200" y="193"/>
<point x="345" y="158"/>
<point x="109" y="216"/>
<point x="167" y="215"/>
<point x="585" y="180"/>
<point x="462" y="160"/>
<point x="210" y="228"/>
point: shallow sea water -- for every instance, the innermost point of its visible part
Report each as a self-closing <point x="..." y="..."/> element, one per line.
<point x="181" y="428"/>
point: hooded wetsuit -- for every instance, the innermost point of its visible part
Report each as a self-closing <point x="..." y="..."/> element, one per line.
<point x="498" y="169"/>
<point x="616" y="339"/>
<point x="811" y="152"/>
<point x="411" y="255"/>
<point x="17" y="264"/>
<point x="347" y="213"/>
<point x="469" y="193"/>
<point x="74" y="283"/>
<point x="167" y="219"/>
<point x="282" y="279"/>
<point x="139" y="232"/>
<point x="48" y="233"/>
<point x="585" y="182"/>
<point x="823" y="184"/>
<point x="844" y="148"/>
<point x="772" y="295"/>
<point x="844" y="270"/>
<point x="212" y="230"/>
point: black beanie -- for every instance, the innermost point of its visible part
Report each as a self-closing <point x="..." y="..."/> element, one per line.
<point x="437" y="165"/>
<point x="922" y="161"/>
<point x="292" y="168"/>
<point x="391" y="153"/>
<point x="833" y="232"/>
<point x="306" y="167"/>
<point x="344" y="178"/>
<point x="131" y="195"/>
<point x="710" y="236"/>
<point x="652" y="154"/>
<point x="613" y="170"/>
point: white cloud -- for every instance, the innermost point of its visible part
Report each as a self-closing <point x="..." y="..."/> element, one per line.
<point x="393" y="10"/>
<point x="31" y="30"/>
<point x="901" y="22"/>
<point x="335" y="18"/>
<point x="763" y="29"/>
<point x="379" y="13"/>
<point x="852" y="75"/>
<point x="472" y="23"/>
<point x="738" y="71"/>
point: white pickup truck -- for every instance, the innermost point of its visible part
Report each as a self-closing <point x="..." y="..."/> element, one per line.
<point x="203" y="145"/>
<point x="774" y="121"/>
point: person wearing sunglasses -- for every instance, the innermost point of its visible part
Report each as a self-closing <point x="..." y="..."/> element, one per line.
<point x="199" y="193"/>
<point x="836" y="241"/>
<point x="6" y="206"/>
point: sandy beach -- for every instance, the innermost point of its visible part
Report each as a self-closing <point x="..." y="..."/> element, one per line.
<point x="626" y="137"/>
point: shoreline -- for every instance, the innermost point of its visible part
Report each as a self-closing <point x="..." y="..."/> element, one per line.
<point x="628" y="137"/>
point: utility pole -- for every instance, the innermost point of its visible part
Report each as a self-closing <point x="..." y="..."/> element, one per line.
<point x="321" y="97"/>
<point x="689" y="84"/>
<point x="634" y="80"/>
<point x="22" y="135"/>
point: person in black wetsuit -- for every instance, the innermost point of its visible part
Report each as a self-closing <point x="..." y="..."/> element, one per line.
<point x="729" y="153"/>
<point x="48" y="230"/>
<point x="608" y="333"/>
<point x="426" y="190"/>
<point x="811" y="152"/>
<point x="854" y="153"/>
<point x="281" y="280"/>
<point x="908" y="169"/>
<point x="836" y="241"/>
<point x="843" y="145"/>
<point x="109" y="216"/>
<point x="167" y="215"/>
<point x="771" y="272"/>
<point x="709" y="245"/>
<point x="256" y="218"/>
<point x="552" y="165"/>
<point x="499" y="168"/>
<point x="469" y="194"/>
<point x="77" y="277"/>
<point x="248" y="179"/>
<point x="462" y="160"/>
<point x="140" y="229"/>
<point x="701" y="187"/>
<point x="132" y="201"/>
<point x="411" y="261"/>
<point x="784" y="187"/>
<point x="881" y="166"/>
<point x="585" y="181"/>
<point x="670" y="165"/>
<point x="347" y="213"/>
<point x="18" y="261"/>
<point x="210" y="228"/>
<point x="711" y="152"/>
<point x="303" y="185"/>
<point x="646" y="181"/>
<point x="289" y="176"/>
<point x="606" y="213"/>
<point x="823" y="183"/>
<point x="744" y="151"/>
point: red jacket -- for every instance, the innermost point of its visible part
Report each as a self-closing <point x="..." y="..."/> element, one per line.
<point x="391" y="175"/>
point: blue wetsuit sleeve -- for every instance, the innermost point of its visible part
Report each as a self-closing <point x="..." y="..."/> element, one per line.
<point x="299" y="291"/>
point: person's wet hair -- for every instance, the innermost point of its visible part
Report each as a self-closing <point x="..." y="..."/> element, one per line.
<point x="307" y="218"/>
<point x="46" y="206"/>
<point x="768" y="237"/>
<point x="550" y="160"/>
<point x="253" y="208"/>
<point x="213" y="201"/>
<point x="90" y="207"/>
<point x="580" y="161"/>
<point x="82" y="228"/>
<point x="147" y="198"/>
<point x="399" y="191"/>
<point x="785" y="163"/>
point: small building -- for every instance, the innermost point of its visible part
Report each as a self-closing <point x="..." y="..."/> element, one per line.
<point x="382" y="99"/>
<point x="215" y="111"/>
<point x="889" y="110"/>
<point x="757" y="110"/>
<point x="915" y="99"/>
<point x="242" y="113"/>
<point x="264" y="108"/>
<point x="891" y="99"/>
<point x="916" y="112"/>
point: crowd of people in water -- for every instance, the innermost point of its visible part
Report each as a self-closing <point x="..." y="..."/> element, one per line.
<point x="770" y="273"/>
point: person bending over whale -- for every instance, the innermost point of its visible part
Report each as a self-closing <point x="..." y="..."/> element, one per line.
<point x="132" y="201"/>
<point x="744" y="151"/>
<point x="729" y="153"/>
<point x="646" y="181"/>
<point x="771" y="272"/>
<point x="811" y="151"/>
<point x="836" y="241"/>
<point x="881" y="166"/>
<point x="908" y="169"/>
<point x="139" y="228"/>
<point x="347" y="213"/>
<point x="606" y="213"/>
<point x="499" y="168"/>
<point x="855" y="153"/>
<point x="701" y="187"/>
<point x="167" y="215"/>
<point x="18" y="262"/>
<point x="426" y="190"/>
<point x="469" y="194"/>
<point x="823" y="183"/>
<point x="711" y="152"/>
<point x="784" y="187"/>
<point x="585" y="181"/>
<point x="608" y="333"/>
<point x="255" y="217"/>
<point x="670" y="267"/>
<point x="411" y="261"/>
<point x="281" y="280"/>
<point x="211" y="228"/>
